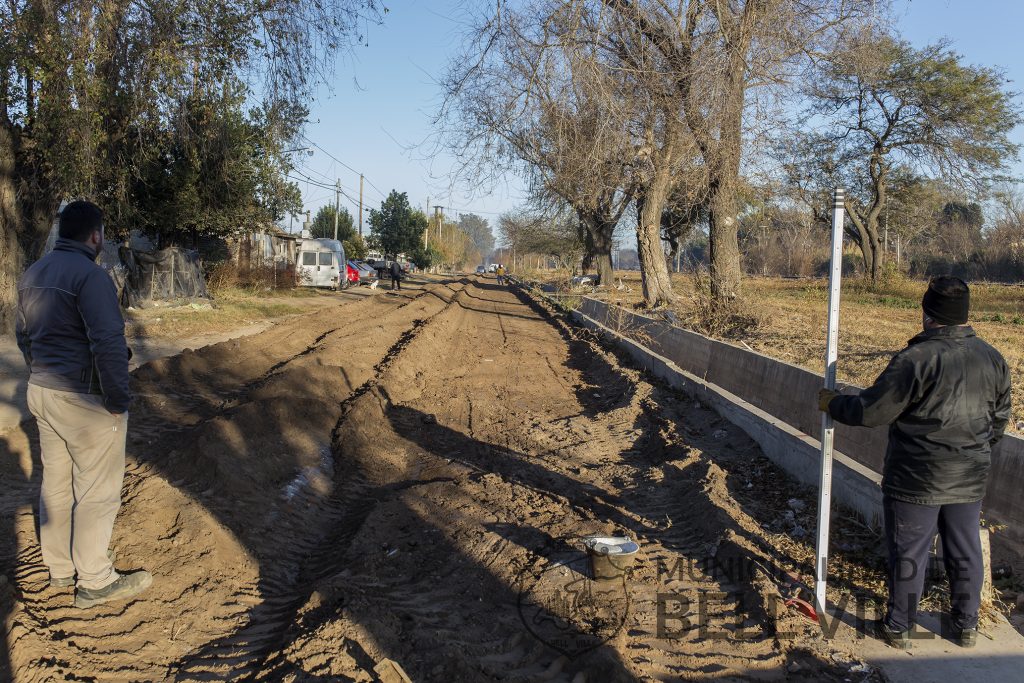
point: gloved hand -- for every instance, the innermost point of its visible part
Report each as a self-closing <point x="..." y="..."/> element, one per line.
<point x="825" y="397"/>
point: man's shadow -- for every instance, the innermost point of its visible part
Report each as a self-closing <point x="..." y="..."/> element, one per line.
<point x="20" y="490"/>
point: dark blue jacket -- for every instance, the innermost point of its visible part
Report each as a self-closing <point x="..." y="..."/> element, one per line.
<point x="946" y="399"/>
<point x="70" y="328"/>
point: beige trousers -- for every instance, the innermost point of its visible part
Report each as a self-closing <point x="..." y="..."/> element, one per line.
<point x="83" y="468"/>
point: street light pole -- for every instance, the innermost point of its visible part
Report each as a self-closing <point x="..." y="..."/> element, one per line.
<point x="337" y="207"/>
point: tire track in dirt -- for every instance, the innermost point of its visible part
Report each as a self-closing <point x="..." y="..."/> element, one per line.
<point x="323" y="527"/>
<point x="489" y="465"/>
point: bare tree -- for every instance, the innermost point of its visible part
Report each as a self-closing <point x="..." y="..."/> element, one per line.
<point x="887" y="106"/>
<point x="713" y="52"/>
<point x="553" y="235"/>
<point x="529" y="95"/>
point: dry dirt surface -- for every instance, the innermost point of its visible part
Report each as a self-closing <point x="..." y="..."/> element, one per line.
<point x="408" y="477"/>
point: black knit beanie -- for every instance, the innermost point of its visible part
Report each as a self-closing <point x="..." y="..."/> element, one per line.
<point x="947" y="300"/>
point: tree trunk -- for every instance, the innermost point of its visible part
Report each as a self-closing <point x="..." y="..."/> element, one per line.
<point x="25" y="222"/>
<point x="598" y="232"/>
<point x="11" y="256"/>
<point x="723" y="241"/>
<point x="657" y="286"/>
<point x="723" y="226"/>
<point x="602" y="238"/>
<point x="586" y="229"/>
<point x="673" y="252"/>
<point x="868" y="239"/>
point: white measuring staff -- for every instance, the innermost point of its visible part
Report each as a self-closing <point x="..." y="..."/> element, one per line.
<point x="827" y="430"/>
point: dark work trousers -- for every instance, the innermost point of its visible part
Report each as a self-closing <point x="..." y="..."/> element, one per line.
<point x="396" y="282"/>
<point x="909" y="531"/>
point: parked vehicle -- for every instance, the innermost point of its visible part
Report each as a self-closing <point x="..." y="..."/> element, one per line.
<point x="366" y="273"/>
<point x="493" y="268"/>
<point x="352" y="274"/>
<point x="319" y="263"/>
<point x="379" y="265"/>
<point x="480" y="270"/>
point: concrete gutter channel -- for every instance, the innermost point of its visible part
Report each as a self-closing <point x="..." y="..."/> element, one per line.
<point x="773" y="402"/>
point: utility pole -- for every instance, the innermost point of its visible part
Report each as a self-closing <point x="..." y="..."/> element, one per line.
<point x="360" y="206"/>
<point x="437" y="217"/>
<point x="426" y="230"/>
<point x="337" y="206"/>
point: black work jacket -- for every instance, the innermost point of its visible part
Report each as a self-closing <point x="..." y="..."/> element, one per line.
<point x="946" y="398"/>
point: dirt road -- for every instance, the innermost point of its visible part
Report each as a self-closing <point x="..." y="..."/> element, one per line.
<point x="408" y="477"/>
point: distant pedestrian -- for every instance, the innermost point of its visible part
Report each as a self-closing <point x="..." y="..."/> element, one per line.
<point x="946" y="399"/>
<point x="70" y="330"/>
<point x="500" y="272"/>
<point x="396" y="275"/>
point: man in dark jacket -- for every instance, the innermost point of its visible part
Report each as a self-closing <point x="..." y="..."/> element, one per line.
<point x="71" y="332"/>
<point x="946" y="398"/>
<point x="396" y="275"/>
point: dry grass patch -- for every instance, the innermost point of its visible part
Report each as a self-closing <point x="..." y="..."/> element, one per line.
<point x="232" y="309"/>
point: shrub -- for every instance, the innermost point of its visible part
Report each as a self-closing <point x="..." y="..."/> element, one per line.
<point x="256" y="278"/>
<point x="717" y="317"/>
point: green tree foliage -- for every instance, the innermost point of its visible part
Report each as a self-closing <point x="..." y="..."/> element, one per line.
<point x="214" y="172"/>
<point x="323" y="224"/>
<point x="425" y="257"/>
<point x="396" y="227"/>
<point x="479" y="232"/>
<point x="143" y="108"/>
<point x="355" y="247"/>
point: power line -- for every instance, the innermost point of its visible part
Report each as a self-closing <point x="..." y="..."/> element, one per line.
<point x="456" y="210"/>
<point x="306" y="179"/>
<point x="368" y="181"/>
<point x="333" y="188"/>
<point x="307" y="169"/>
<point x="339" y="188"/>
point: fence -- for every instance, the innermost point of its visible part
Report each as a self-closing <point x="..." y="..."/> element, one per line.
<point x="167" y="274"/>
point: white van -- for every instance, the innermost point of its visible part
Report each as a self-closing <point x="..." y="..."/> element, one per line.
<point x="320" y="262"/>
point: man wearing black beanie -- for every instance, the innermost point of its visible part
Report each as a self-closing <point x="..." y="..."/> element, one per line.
<point x="946" y="399"/>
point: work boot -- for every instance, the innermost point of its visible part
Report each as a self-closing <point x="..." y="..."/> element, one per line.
<point x="126" y="586"/>
<point x="967" y="637"/>
<point x="69" y="581"/>
<point x="891" y="637"/>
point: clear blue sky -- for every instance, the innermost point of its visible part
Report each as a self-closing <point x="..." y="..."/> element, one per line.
<point x="376" y="115"/>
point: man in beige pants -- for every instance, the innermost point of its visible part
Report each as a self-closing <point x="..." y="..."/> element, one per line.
<point x="71" y="332"/>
